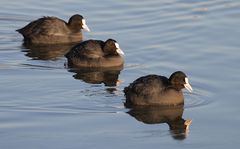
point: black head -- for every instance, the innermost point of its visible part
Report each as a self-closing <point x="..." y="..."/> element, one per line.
<point x="111" y="47"/>
<point x="179" y="80"/>
<point x="77" y="22"/>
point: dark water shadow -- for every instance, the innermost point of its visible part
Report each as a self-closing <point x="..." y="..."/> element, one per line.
<point x="46" y="52"/>
<point x="107" y="76"/>
<point x="172" y="116"/>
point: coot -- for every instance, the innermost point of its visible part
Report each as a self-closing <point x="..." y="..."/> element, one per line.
<point x="157" y="90"/>
<point x="96" y="54"/>
<point x="52" y="30"/>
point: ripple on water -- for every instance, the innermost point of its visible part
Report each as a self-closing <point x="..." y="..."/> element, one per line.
<point x="158" y="38"/>
<point x="197" y="98"/>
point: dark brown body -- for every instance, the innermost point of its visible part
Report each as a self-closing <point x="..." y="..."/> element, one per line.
<point x="90" y="54"/>
<point x="153" y="90"/>
<point x="49" y="30"/>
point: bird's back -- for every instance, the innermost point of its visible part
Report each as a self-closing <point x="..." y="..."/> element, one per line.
<point x="148" y="85"/>
<point x="45" y="26"/>
<point x="91" y="49"/>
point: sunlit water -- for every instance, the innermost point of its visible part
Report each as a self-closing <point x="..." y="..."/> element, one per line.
<point x="43" y="104"/>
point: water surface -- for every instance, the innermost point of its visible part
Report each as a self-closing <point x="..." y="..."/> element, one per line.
<point x="43" y="104"/>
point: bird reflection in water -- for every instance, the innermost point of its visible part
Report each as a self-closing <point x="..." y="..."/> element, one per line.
<point x="107" y="76"/>
<point x="46" y="52"/>
<point x="179" y="127"/>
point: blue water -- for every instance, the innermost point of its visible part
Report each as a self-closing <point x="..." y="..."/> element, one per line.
<point x="43" y="104"/>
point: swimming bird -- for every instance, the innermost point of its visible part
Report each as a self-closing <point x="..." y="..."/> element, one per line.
<point x="96" y="54"/>
<point x="157" y="90"/>
<point x="52" y="30"/>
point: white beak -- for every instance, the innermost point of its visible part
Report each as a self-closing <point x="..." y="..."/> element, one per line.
<point x="84" y="25"/>
<point x="187" y="85"/>
<point x="119" y="51"/>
